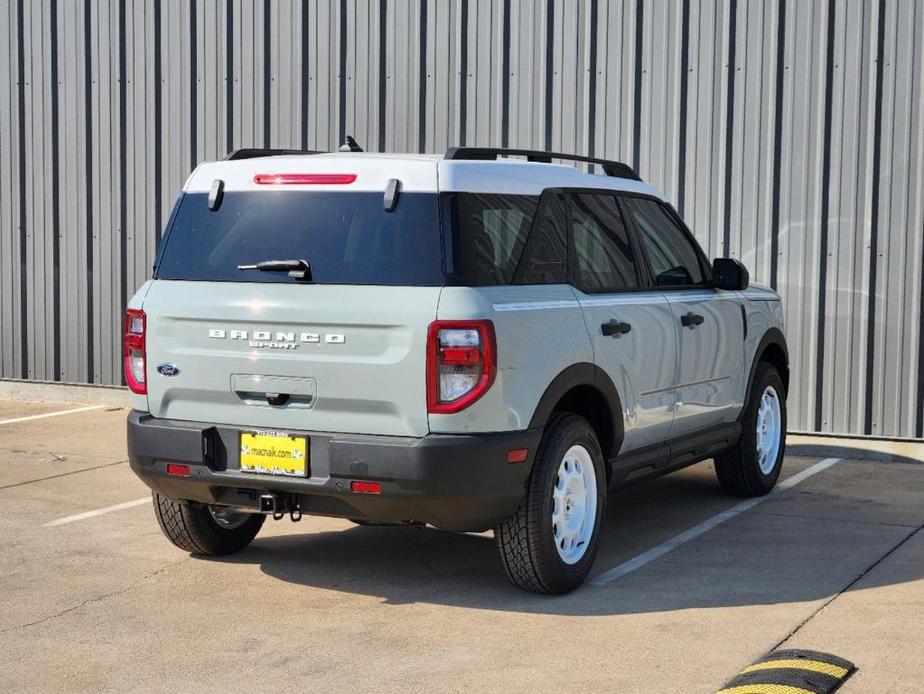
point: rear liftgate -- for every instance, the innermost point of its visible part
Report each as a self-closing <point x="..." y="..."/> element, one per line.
<point x="792" y="672"/>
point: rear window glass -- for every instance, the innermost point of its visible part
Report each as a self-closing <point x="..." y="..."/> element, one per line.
<point x="348" y="238"/>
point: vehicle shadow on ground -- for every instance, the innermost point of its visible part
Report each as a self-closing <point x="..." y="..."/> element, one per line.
<point x="772" y="554"/>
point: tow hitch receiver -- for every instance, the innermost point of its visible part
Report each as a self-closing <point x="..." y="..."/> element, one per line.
<point x="272" y="504"/>
<point x="278" y="506"/>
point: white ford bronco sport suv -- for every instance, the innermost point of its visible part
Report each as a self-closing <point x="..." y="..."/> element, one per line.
<point x="479" y="340"/>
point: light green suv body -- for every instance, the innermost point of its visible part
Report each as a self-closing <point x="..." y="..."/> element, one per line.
<point x="429" y="347"/>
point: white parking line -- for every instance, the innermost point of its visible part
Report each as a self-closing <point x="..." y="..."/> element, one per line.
<point x="707" y="525"/>
<point x="97" y="512"/>
<point x="51" y="414"/>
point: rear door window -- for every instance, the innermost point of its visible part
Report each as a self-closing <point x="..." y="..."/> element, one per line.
<point x="603" y="256"/>
<point x="348" y="238"/>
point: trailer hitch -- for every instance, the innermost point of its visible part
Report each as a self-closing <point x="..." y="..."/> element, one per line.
<point x="278" y="506"/>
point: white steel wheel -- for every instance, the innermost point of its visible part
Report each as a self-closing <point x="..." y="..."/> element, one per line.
<point x="574" y="504"/>
<point x="769" y="430"/>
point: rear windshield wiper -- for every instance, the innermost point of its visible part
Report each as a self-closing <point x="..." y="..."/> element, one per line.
<point x="299" y="269"/>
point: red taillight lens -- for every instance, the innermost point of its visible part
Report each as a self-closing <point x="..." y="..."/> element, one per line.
<point x="134" y="351"/>
<point x="461" y="363"/>
<point x="178" y="470"/>
<point x="271" y="179"/>
<point x="366" y="487"/>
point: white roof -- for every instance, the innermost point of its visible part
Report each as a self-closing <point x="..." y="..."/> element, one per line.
<point x="427" y="173"/>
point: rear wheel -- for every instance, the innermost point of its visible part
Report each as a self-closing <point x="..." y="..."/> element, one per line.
<point x="206" y="530"/>
<point x="550" y="543"/>
<point x="752" y="466"/>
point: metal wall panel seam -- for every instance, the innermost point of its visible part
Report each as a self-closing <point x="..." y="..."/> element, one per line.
<point x="729" y="125"/>
<point x="158" y="122"/>
<point x="777" y="146"/>
<point x="8" y="255"/>
<point x="55" y="190"/>
<point x="825" y="221"/>
<point x="341" y="78"/>
<point x="682" y="107"/>
<point x="123" y="170"/>
<point x="267" y="74"/>
<point x="422" y="77"/>
<point x="549" y="58"/>
<point x="193" y="85"/>
<point x="874" y="224"/>
<point x="89" y="181"/>
<point x="23" y="232"/>
<point x="639" y="72"/>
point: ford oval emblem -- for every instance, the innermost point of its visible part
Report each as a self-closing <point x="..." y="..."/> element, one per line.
<point x="168" y="369"/>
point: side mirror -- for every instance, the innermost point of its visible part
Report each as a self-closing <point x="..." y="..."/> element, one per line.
<point x="728" y="273"/>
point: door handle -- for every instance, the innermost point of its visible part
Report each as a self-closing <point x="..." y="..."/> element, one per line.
<point x="691" y="320"/>
<point x="615" y="328"/>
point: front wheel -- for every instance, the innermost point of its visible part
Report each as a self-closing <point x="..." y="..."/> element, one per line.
<point x="550" y="543"/>
<point x="752" y="466"/>
<point x="206" y="530"/>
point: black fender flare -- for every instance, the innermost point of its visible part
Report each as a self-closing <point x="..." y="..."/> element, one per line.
<point x="773" y="336"/>
<point x="582" y="374"/>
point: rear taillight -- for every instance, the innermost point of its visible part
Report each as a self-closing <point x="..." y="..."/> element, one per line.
<point x="134" y="351"/>
<point x="461" y="363"/>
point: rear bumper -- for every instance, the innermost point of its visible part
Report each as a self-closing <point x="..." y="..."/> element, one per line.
<point x="455" y="482"/>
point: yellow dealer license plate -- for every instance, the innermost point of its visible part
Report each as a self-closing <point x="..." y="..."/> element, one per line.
<point x="274" y="453"/>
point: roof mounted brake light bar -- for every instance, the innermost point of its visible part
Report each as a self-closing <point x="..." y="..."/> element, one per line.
<point x="253" y="153"/>
<point x="611" y="168"/>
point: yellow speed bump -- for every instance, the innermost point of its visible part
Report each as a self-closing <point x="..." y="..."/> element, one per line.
<point x="765" y="689"/>
<point x="798" y="664"/>
<point x="792" y="672"/>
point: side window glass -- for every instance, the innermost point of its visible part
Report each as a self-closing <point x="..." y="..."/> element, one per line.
<point x="674" y="260"/>
<point x="544" y="261"/>
<point x="491" y="233"/>
<point x="603" y="256"/>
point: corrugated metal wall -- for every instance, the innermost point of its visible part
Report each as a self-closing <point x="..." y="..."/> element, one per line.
<point x="788" y="132"/>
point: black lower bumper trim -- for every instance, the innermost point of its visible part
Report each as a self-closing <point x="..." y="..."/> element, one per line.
<point x="456" y="482"/>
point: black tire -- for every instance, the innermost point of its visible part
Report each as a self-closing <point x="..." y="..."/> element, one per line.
<point x="738" y="468"/>
<point x="526" y="541"/>
<point x="191" y="527"/>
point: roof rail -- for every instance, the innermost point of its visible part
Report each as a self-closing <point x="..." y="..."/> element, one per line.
<point x="610" y="168"/>
<point x="252" y="153"/>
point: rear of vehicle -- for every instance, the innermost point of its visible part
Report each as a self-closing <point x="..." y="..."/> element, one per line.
<point x="447" y="341"/>
<point x="312" y="386"/>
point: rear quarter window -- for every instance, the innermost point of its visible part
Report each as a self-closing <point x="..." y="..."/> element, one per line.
<point x="500" y="239"/>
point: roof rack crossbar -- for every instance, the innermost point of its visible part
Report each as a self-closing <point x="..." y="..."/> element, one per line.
<point x="251" y="153"/>
<point x="610" y="168"/>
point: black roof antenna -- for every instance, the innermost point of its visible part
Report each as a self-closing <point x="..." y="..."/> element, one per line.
<point x="350" y="145"/>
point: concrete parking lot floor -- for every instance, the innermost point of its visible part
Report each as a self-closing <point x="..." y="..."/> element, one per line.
<point x="105" y="603"/>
